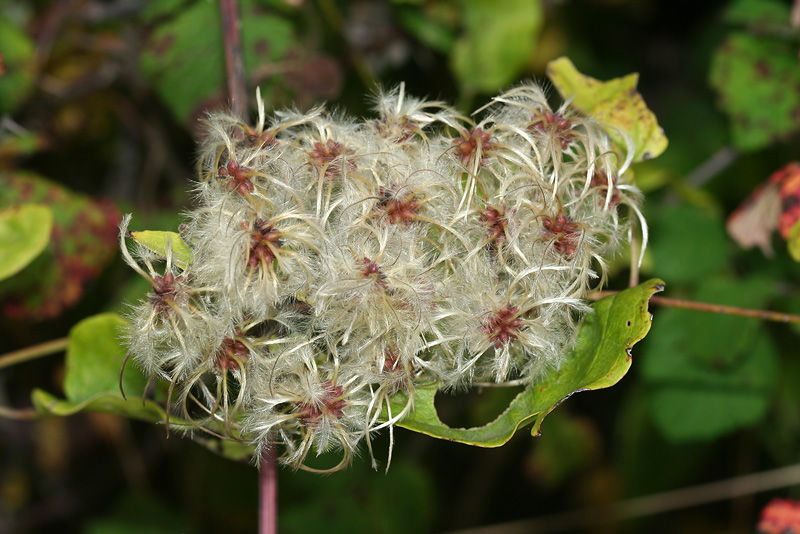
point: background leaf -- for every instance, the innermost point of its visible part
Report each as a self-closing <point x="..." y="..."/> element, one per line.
<point x="24" y="234"/>
<point x="758" y="84"/>
<point x="712" y="374"/>
<point x="499" y="37"/>
<point x="84" y="240"/>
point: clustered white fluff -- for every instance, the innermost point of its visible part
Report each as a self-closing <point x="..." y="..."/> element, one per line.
<point x="338" y="262"/>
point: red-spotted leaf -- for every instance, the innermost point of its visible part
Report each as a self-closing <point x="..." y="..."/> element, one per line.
<point x="84" y="240"/>
<point x="773" y="205"/>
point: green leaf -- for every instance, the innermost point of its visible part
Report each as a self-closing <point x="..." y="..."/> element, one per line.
<point x="759" y="88"/>
<point x="162" y="242"/>
<point x="794" y="242"/>
<point x="601" y="357"/>
<point x="431" y="32"/>
<point x="707" y="374"/>
<point x="24" y="234"/>
<point x="95" y="355"/>
<point x="616" y="103"/>
<point x="135" y="408"/>
<point x="485" y="58"/>
<point x="761" y="15"/>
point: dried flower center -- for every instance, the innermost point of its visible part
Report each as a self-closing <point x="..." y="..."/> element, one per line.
<point x="237" y="177"/>
<point x="328" y="402"/>
<point x="467" y="147"/>
<point x="502" y="326"/>
<point x="264" y="242"/>
<point x="230" y="355"/>
<point x="397" y="209"/>
<point x="371" y="269"/>
<point x="398" y="130"/>
<point x="333" y="156"/>
<point x="555" y="125"/>
<point x="496" y="222"/>
<point x="565" y="233"/>
<point x="601" y="182"/>
<point x="167" y="291"/>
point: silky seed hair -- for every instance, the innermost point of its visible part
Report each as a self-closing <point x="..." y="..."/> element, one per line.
<point x="339" y="263"/>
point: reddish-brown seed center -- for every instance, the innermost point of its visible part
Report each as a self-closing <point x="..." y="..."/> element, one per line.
<point x="264" y="242"/>
<point x="396" y="207"/>
<point x="555" y="125"/>
<point x="333" y="156"/>
<point x="601" y="182"/>
<point x="467" y="146"/>
<point x="502" y="326"/>
<point x="237" y="177"/>
<point x="565" y="233"/>
<point x="329" y="403"/>
<point x="497" y="223"/>
<point x="371" y="269"/>
<point x="230" y="355"/>
<point x="166" y="291"/>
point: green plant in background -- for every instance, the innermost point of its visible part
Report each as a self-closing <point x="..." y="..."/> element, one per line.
<point x="345" y="293"/>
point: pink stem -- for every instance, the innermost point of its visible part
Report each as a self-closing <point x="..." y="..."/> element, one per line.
<point x="268" y="489"/>
<point x="234" y="62"/>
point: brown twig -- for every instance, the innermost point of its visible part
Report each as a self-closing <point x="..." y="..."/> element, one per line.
<point x="234" y="61"/>
<point x="268" y="492"/>
<point x="650" y="505"/>
<point x="765" y="315"/>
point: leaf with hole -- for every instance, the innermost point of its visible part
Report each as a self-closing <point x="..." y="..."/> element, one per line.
<point x="600" y="358"/>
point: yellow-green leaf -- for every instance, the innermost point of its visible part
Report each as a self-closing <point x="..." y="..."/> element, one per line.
<point x="616" y="103"/>
<point x="162" y="242"/>
<point x="794" y="242"/>
<point x="24" y="233"/>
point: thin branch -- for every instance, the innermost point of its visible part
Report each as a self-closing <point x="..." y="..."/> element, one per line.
<point x="765" y="315"/>
<point x="653" y="504"/>
<point x="31" y="353"/>
<point x="268" y="493"/>
<point x="718" y="162"/>
<point x="234" y="61"/>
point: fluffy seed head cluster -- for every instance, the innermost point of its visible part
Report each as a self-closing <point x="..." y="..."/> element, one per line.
<point x="337" y="263"/>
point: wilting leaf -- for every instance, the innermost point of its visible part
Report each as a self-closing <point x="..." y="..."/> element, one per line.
<point x="164" y="243"/>
<point x="84" y="240"/>
<point x="24" y="234"/>
<point x="485" y="58"/>
<point x="773" y="205"/>
<point x="616" y="103"/>
<point x="758" y="83"/>
<point x="600" y="359"/>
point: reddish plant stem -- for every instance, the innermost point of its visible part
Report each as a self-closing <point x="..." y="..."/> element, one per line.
<point x="765" y="315"/>
<point x="268" y="493"/>
<point x="234" y="62"/>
